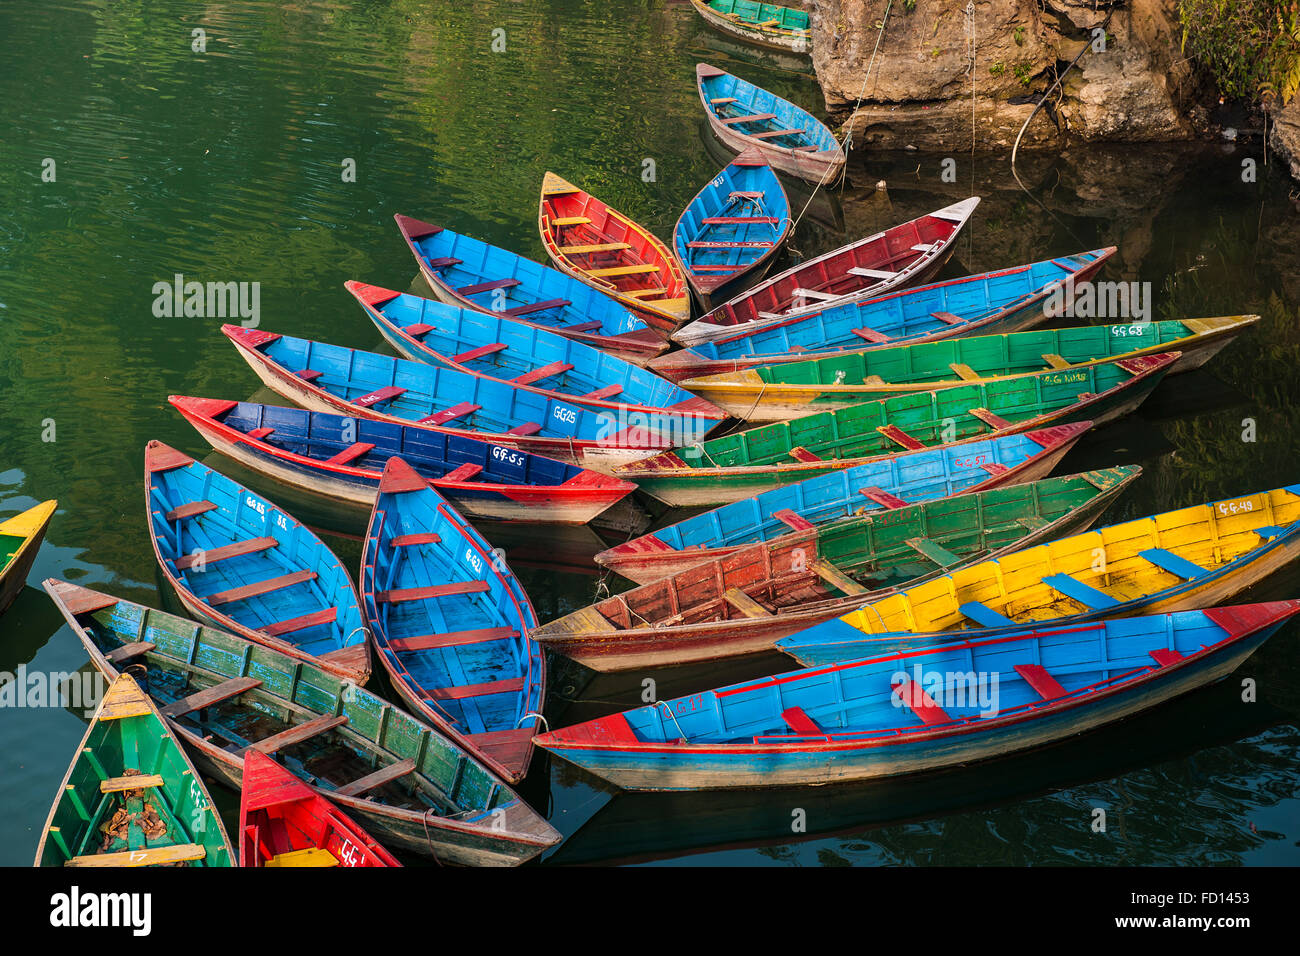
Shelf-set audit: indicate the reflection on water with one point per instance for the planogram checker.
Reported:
(227, 166)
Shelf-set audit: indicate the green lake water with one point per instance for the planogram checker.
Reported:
(226, 165)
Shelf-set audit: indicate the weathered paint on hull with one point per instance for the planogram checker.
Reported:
(698, 768)
(529, 504)
(793, 43)
(824, 167)
(574, 451)
(619, 650)
(648, 567)
(14, 578)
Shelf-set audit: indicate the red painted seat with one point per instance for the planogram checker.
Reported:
(450, 414)
(913, 695)
(379, 396)
(882, 497)
(431, 591)
(488, 286)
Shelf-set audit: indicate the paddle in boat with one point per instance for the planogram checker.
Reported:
(759, 459)
(600, 246)
(728, 236)
(222, 696)
(451, 624)
(1189, 558)
(471, 273)
(283, 822)
(917, 710)
(789, 390)
(342, 458)
(767, 24)
(741, 603)
(526, 357)
(20, 540)
(903, 255)
(1006, 301)
(131, 796)
(331, 378)
(745, 116)
(241, 563)
(880, 485)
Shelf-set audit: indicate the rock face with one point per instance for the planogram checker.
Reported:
(944, 60)
(1285, 135)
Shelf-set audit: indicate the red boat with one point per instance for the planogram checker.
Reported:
(283, 822)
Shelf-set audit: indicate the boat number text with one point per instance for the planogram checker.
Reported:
(563, 414)
(972, 461)
(260, 508)
(1240, 506)
(506, 455)
(474, 560)
(1122, 330)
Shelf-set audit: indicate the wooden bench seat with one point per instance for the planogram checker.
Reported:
(900, 437)
(985, 616)
(1084, 594)
(427, 642)
(210, 695)
(478, 353)
(745, 604)
(797, 719)
(431, 591)
(1043, 683)
(463, 472)
(1168, 561)
(914, 697)
(149, 856)
(594, 248)
(190, 510)
(450, 414)
(750, 118)
(543, 372)
(466, 691)
(379, 396)
(882, 497)
(792, 520)
(487, 286)
(238, 549)
(316, 619)
(297, 734)
(533, 307)
(372, 781)
(351, 453)
(623, 271)
(524, 430)
(259, 588)
(412, 540)
(871, 335)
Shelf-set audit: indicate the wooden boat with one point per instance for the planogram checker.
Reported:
(741, 603)
(1188, 558)
(728, 236)
(331, 378)
(525, 357)
(883, 484)
(342, 458)
(771, 456)
(907, 254)
(767, 24)
(451, 624)
(613, 254)
(780, 392)
(131, 796)
(283, 822)
(239, 562)
(1005, 301)
(471, 273)
(20, 540)
(407, 784)
(933, 707)
(791, 139)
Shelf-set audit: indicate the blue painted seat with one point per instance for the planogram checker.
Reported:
(1076, 590)
(985, 616)
(1168, 561)
(1270, 531)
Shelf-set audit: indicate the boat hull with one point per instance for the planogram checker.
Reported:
(772, 39)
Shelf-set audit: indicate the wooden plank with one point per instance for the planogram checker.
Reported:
(914, 696)
(871, 273)
(985, 616)
(583, 326)
(351, 453)
(755, 244)
(372, 781)
(328, 616)
(408, 540)
(750, 118)
(442, 262)
(549, 370)
(934, 551)
(297, 734)
(1168, 561)
(797, 719)
(259, 588)
(478, 353)
(837, 578)
(138, 781)
(947, 317)
(190, 510)
(799, 453)
(546, 306)
(964, 371)
(882, 497)
(594, 248)
(427, 642)
(260, 433)
(151, 856)
(1164, 656)
(308, 374)
(466, 691)
(418, 329)
(450, 414)
(992, 419)
(776, 133)
(1037, 677)
(900, 437)
(379, 395)
(527, 428)
(1055, 361)
(1076, 590)
(487, 286)
(601, 394)
(623, 271)
(210, 695)
(431, 591)
(569, 220)
(463, 472)
(128, 651)
(741, 220)
(238, 549)
(792, 520)
(745, 604)
(871, 335)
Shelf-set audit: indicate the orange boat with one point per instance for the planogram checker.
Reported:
(608, 251)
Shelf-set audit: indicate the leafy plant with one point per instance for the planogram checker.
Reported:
(996, 69)
(1250, 47)
(1022, 74)
(1018, 34)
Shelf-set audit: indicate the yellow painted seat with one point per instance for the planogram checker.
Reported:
(312, 856)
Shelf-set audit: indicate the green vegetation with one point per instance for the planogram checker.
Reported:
(1250, 47)
(1023, 74)
(1018, 34)
(997, 69)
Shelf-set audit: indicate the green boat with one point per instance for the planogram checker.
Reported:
(789, 390)
(769, 25)
(743, 602)
(132, 797)
(408, 785)
(736, 466)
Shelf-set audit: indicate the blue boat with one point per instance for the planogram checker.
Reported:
(243, 564)
(729, 235)
(471, 273)
(924, 709)
(1007, 300)
(790, 138)
(884, 484)
(524, 355)
(332, 378)
(451, 624)
(342, 458)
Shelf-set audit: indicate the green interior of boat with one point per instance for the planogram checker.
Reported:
(785, 18)
(9, 545)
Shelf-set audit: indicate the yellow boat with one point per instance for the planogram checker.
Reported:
(1187, 559)
(787, 390)
(20, 539)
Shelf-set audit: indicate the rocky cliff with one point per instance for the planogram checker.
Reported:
(945, 63)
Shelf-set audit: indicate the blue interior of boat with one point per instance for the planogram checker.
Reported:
(733, 221)
(771, 113)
